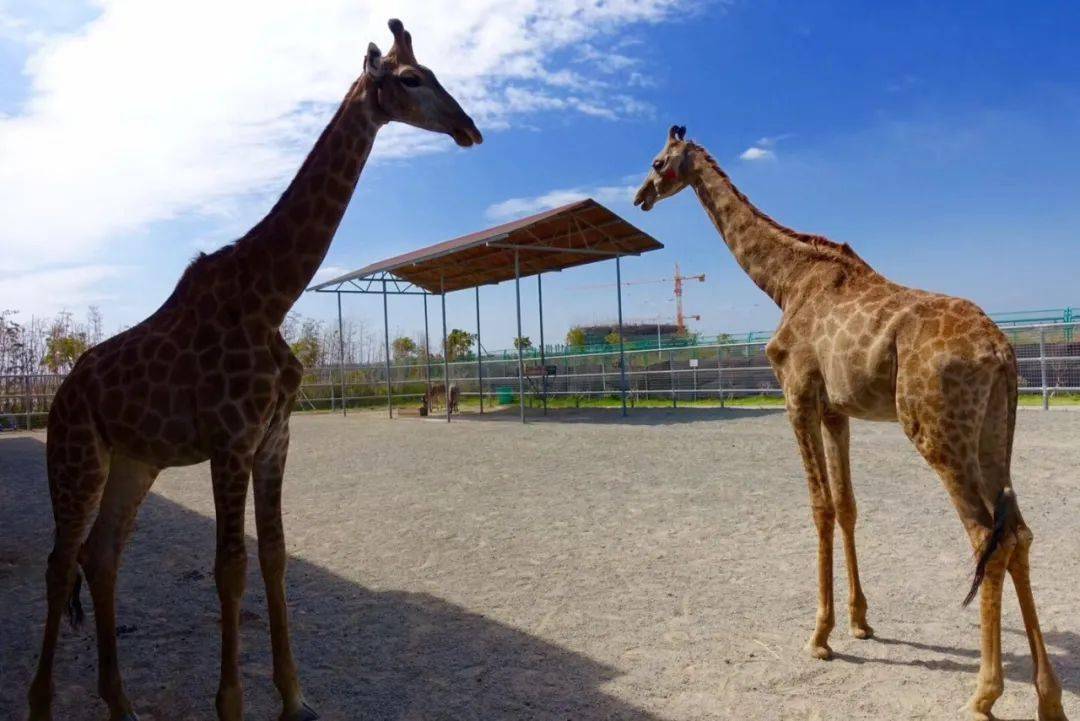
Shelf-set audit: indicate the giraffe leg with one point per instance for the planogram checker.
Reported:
(231, 473)
(125, 490)
(804, 411)
(268, 474)
(836, 434)
(76, 477)
(1047, 685)
(995, 446)
(956, 462)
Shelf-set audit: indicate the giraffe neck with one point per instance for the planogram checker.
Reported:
(776, 258)
(289, 244)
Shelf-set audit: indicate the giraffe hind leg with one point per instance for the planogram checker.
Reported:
(995, 446)
(77, 463)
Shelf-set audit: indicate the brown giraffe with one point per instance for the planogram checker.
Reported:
(209, 377)
(852, 344)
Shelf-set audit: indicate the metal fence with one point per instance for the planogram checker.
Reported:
(1048, 358)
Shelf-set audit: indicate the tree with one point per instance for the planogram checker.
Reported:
(613, 338)
(404, 348)
(308, 347)
(458, 343)
(575, 338)
(96, 323)
(63, 345)
(523, 342)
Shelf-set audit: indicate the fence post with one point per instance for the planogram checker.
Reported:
(29, 402)
(1042, 368)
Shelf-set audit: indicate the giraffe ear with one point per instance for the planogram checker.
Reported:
(373, 63)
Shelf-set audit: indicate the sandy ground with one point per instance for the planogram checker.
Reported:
(582, 569)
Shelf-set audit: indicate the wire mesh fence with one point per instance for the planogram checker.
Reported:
(1048, 362)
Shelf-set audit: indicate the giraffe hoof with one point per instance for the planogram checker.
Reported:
(862, 631)
(1053, 712)
(304, 713)
(819, 651)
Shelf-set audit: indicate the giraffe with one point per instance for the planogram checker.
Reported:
(852, 344)
(209, 377)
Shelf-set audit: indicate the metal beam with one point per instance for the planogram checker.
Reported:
(386, 341)
(622, 342)
(521, 362)
(427, 353)
(543, 365)
(445, 355)
(556, 249)
(479, 353)
(341, 356)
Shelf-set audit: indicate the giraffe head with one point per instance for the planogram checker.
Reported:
(670, 170)
(410, 93)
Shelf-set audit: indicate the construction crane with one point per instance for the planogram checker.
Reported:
(677, 279)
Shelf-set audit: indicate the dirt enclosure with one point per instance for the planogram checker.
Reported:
(578, 569)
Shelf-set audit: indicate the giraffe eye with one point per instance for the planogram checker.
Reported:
(657, 165)
(410, 81)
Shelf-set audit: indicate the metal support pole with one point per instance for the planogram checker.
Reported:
(1042, 368)
(445, 349)
(521, 362)
(622, 343)
(671, 372)
(427, 352)
(386, 342)
(479, 353)
(543, 358)
(341, 354)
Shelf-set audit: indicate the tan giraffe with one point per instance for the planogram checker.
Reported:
(208, 376)
(852, 344)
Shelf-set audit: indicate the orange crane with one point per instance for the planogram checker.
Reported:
(678, 278)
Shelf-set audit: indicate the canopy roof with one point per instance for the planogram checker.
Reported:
(574, 234)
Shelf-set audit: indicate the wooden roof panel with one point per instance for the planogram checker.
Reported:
(477, 258)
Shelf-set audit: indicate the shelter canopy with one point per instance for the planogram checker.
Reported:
(574, 234)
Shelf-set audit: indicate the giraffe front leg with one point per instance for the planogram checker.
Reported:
(804, 411)
(125, 490)
(230, 477)
(836, 433)
(268, 476)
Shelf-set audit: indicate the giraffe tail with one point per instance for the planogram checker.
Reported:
(74, 608)
(74, 605)
(1004, 512)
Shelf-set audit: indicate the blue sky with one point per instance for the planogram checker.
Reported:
(938, 139)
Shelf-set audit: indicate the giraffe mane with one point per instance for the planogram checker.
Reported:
(819, 243)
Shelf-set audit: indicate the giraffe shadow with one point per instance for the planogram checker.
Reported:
(364, 653)
(1063, 647)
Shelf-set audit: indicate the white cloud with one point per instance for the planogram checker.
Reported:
(763, 148)
(45, 292)
(757, 153)
(157, 110)
(517, 207)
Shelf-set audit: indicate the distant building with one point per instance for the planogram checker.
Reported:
(595, 334)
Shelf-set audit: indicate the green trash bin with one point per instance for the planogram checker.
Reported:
(505, 395)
